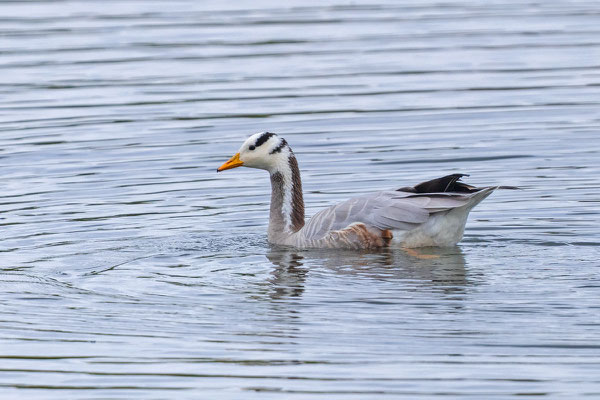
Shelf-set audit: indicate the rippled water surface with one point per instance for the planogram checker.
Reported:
(130, 269)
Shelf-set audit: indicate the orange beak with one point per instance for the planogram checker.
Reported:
(233, 162)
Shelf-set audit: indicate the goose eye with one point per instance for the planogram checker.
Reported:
(251, 148)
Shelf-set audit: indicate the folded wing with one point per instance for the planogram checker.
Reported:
(395, 210)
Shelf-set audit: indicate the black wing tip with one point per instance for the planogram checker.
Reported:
(448, 183)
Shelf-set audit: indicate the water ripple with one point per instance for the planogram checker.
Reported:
(130, 269)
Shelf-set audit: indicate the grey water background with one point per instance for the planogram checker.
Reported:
(130, 269)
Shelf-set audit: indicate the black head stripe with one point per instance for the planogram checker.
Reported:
(280, 147)
(263, 138)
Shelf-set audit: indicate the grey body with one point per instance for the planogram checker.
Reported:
(417, 220)
(432, 213)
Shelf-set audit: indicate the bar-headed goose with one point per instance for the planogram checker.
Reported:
(432, 213)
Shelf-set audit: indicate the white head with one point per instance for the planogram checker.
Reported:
(264, 150)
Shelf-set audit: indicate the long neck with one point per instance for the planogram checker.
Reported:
(287, 204)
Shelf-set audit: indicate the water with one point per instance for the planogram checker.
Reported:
(130, 269)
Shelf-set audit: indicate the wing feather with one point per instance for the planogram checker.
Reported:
(385, 210)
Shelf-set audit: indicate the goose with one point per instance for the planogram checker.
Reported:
(429, 214)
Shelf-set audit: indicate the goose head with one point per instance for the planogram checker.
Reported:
(264, 150)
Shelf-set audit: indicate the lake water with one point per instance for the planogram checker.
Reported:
(130, 269)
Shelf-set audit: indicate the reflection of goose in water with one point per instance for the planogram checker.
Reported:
(289, 274)
(446, 271)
